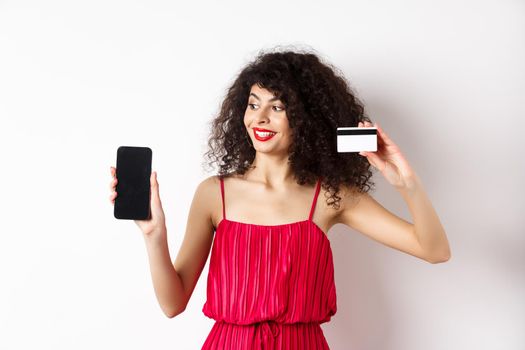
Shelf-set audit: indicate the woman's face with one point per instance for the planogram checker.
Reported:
(265, 112)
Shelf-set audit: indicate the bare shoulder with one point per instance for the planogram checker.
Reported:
(208, 196)
(209, 182)
(354, 204)
(349, 199)
(201, 199)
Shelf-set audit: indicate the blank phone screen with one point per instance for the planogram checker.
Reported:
(133, 183)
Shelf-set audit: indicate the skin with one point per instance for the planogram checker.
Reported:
(268, 195)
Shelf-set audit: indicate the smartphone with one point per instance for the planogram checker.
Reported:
(357, 139)
(133, 183)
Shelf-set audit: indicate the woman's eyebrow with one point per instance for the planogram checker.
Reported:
(270, 100)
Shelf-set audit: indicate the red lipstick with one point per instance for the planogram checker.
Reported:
(263, 138)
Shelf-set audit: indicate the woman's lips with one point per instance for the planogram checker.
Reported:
(260, 138)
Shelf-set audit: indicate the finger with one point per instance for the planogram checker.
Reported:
(154, 187)
(380, 140)
(113, 184)
(369, 158)
(113, 171)
(384, 136)
(376, 161)
(112, 196)
(365, 154)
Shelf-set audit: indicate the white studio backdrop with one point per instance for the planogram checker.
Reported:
(446, 80)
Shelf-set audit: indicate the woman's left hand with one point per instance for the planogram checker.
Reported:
(389, 160)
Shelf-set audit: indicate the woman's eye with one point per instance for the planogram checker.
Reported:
(276, 108)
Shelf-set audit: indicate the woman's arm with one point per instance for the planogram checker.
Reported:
(174, 282)
(427, 227)
(425, 238)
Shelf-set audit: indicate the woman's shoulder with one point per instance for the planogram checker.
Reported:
(209, 192)
(213, 182)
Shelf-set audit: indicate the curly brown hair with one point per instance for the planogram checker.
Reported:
(317, 99)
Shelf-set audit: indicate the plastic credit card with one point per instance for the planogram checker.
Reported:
(357, 139)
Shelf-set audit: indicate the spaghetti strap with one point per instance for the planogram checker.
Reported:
(315, 199)
(222, 196)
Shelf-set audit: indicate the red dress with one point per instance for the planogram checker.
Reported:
(269, 286)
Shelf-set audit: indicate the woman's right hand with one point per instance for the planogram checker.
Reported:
(155, 227)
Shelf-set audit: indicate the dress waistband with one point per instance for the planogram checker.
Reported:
(268, 330)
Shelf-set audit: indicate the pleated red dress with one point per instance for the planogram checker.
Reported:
(269, 286)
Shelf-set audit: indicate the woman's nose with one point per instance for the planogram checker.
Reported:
(262, 116)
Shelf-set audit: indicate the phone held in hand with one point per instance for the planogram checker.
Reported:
(133, 183)
(356, 139)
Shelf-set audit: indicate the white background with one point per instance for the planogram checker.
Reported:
(445, 79)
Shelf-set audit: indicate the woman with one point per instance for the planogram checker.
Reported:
(271, 276)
